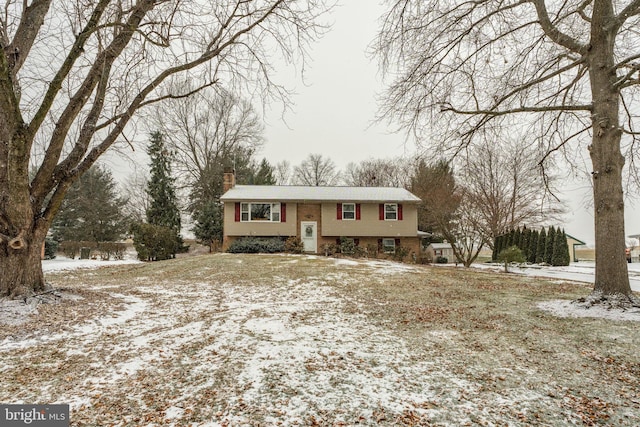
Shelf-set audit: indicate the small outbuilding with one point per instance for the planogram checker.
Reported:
(444, 250)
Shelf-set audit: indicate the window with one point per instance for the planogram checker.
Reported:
(260, 212)
(390, 212)
(348, 211)
(389, 246)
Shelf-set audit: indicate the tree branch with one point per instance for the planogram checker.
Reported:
(554, 33)
(30, 23)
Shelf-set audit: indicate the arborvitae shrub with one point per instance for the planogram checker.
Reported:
(548, 250)
(542, 244)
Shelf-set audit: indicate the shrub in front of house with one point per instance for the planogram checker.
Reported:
(400, 253)
(347, 246)
(372, 250)
(293, 245)
(256, 245)
(330, 249)
(441, 260)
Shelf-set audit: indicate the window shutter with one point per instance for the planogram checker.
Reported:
(399, 212)
(381, 210)
(357, 212)
(397, 241)
(283, 212)
(339, 211)
(237, 212)
(338, 241)
(356, 242)
(379, 245)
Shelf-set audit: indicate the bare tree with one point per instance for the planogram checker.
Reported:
(207, 132)
(316, 171)
(378, 173)
(73, 75)
(568, 70)
(283, 172)
(134, 191)
(507, 188)
(463, 229)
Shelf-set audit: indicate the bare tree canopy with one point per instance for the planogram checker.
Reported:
(74, 74)
(566, 72)
(207, 132)
(316, 171)
(378, 173)
(504, 185)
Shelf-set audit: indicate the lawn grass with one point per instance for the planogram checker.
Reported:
(296, 340)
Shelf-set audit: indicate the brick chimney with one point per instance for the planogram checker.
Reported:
(228, 179)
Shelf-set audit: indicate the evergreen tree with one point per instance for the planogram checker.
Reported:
(524, 242)
(263, 174)
(517, 236)
(542, 244)
(208, 224)
(163, 203)
(496, 247)
(533, 246)
(548, 249)
(91, 210)
(560, 249)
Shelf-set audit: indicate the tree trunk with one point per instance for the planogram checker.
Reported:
(22, 266)
(611, 265)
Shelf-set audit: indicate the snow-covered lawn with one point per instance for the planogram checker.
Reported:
(583, 271)
(234, 340)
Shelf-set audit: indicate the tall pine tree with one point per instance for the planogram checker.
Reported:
(533, 246)
(542, 244)
(163, 208)
(548, 249)
(163, 203)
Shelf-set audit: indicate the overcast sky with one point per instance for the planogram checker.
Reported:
(334, 111)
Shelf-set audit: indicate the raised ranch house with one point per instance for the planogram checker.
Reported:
(380, 216)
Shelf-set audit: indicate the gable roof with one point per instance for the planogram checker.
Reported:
(295, 193)
(441, 245)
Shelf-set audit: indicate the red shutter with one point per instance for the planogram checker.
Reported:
(397, 243)
(357, 211)
(399, 212)
(283, 212)
(381, 210)
(237, 212)
(380, 245)
(356, 242)
(339, 210)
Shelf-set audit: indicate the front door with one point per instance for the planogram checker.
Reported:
(309, 236)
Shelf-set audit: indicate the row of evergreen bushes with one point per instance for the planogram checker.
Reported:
(547, 246)
(251, 245)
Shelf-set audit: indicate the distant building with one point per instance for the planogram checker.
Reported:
(435, 250)
(572, 242)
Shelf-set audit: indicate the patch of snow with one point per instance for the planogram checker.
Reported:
(577, 272)
(61, 263)
(566, 308)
